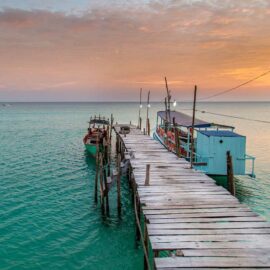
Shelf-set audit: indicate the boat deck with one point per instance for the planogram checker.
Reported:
(201, 224)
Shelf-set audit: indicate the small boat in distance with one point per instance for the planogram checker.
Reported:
(97, 134)
(211, 143)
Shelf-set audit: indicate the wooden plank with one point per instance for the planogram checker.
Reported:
(202, 215)
(212, 262)
(212, 268)
(166, 207)
(209, 237)
(190, 211)
(225, 225)
(205, 220)
(248, 252)
(208, 245)
(167, 232)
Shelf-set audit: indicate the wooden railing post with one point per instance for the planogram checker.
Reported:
(230, 177)
(147, 175)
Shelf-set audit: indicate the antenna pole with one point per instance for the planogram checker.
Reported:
(192, 129)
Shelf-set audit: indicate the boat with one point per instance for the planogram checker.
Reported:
(97, 134)
(211, 143)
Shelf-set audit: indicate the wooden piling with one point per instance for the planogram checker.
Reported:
(230, 176)
(176, 138)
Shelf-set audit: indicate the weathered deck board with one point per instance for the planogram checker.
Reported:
(187, 211)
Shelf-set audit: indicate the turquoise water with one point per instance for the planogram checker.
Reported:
(48, 217)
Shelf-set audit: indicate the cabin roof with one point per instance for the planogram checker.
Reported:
(220, 133)
(99, 121)
(183, 120)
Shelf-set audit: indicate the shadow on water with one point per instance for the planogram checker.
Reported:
(241, 190)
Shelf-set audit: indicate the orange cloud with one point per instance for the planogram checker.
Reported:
(108, 53)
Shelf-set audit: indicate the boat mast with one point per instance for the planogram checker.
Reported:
(166, 115)
(168, 99)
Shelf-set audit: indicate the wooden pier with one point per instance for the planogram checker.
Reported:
(199, 224)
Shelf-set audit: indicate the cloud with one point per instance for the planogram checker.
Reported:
(118, 48)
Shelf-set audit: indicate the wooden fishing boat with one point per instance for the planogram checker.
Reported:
(210, 144)
(97, 134)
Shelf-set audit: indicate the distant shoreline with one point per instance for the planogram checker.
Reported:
(156, 102)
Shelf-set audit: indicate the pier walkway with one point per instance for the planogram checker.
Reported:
(201, 224)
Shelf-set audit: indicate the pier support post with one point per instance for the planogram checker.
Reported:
(148, 127)
(176, 138)
(117, 143)
(101, 182)
(96, 178)
(138, 214)
(147, 175)
(106, 192)
(230, 177)
(119, 183)
(146, 256)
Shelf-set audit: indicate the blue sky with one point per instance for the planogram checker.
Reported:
(70, 6)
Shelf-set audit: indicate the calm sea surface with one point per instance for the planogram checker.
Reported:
(47, 216)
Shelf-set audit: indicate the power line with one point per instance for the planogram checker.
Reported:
(236, 87)
(237, 117)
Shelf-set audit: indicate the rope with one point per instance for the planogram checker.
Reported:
(237, 117)
(228, 90)
(236, 87)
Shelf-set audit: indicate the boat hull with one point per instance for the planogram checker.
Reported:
(91, 149)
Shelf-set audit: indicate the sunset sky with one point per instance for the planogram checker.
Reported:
(87, 50)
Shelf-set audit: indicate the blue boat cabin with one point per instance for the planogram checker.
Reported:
(211, 143)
